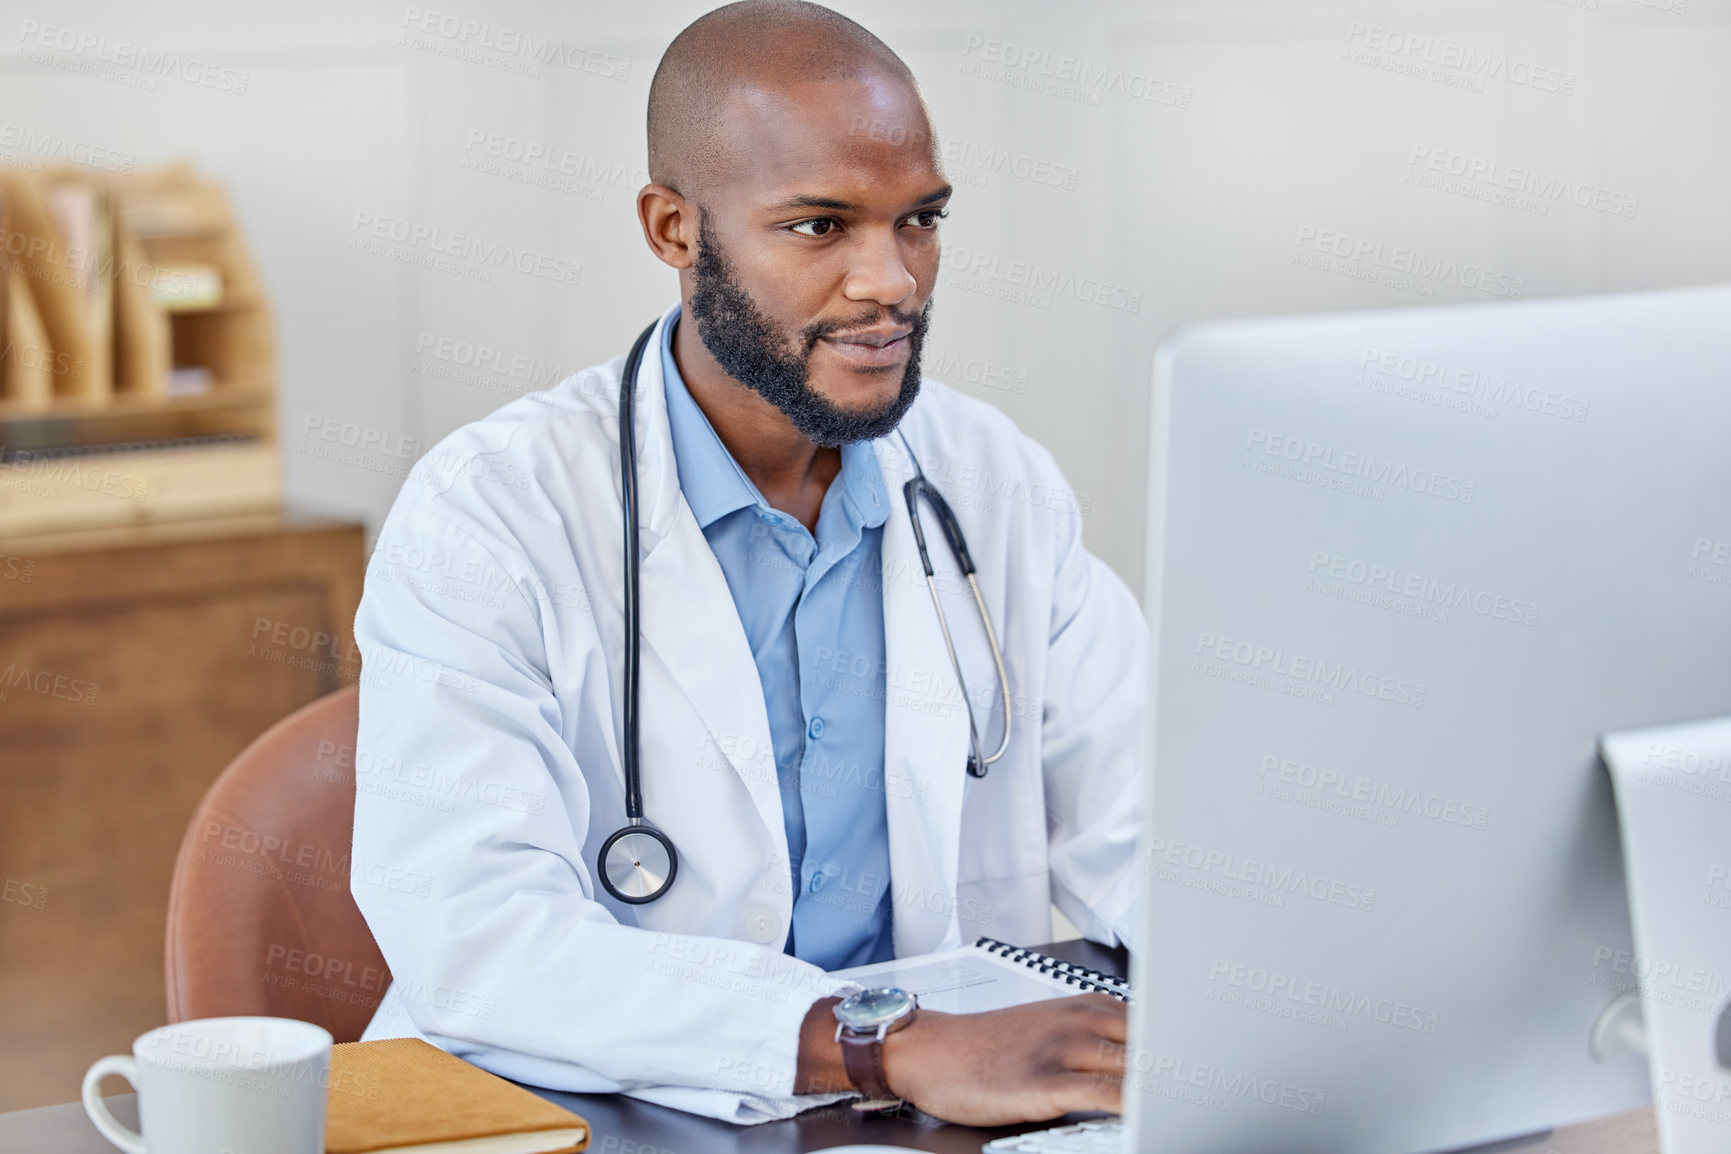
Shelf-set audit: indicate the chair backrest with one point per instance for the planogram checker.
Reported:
(260, 919)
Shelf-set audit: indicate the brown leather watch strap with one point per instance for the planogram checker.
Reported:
(863, 1057)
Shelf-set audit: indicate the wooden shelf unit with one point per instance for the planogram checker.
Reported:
(101, 311)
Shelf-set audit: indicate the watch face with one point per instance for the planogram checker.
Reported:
(869, 1009)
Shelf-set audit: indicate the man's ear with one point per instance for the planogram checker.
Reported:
(669, 225)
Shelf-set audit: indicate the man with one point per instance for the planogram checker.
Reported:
(805, 741)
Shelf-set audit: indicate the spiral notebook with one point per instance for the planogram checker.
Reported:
(988, 975)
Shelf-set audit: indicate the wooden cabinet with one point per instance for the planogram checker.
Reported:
(134, 664)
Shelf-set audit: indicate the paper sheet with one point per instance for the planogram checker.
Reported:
(965, 980)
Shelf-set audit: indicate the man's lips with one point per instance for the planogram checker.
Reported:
(870, 347)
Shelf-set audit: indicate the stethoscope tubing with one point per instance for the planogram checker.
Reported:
(638, 884)
(920, 486)
(633, 617)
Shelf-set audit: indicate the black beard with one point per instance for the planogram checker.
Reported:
(748, 347)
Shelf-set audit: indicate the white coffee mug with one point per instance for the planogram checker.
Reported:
(221, 1086)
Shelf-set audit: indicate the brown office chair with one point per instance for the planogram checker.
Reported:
(260, 920)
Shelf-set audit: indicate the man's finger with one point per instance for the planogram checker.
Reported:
(1116, 1023)
(1096, 1091)
(1101, 1055)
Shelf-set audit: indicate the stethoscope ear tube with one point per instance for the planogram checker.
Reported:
(918, 486)
(633, 625)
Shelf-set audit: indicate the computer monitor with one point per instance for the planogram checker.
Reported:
(1404, 568)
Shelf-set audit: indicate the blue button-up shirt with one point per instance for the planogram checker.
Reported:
(813, 613)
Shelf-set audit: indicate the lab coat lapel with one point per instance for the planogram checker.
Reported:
(689, 623)
(925, 732)
(691, 626)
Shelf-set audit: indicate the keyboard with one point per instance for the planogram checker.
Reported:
(1106, 1136)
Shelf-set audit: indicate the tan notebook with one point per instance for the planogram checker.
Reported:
(403, 1096)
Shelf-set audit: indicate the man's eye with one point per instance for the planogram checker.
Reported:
(819, 227)
(928, 217)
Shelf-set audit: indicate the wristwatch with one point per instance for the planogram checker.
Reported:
(863, 1021)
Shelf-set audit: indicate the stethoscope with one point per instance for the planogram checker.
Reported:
(637, 861)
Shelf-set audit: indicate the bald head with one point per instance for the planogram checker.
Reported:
(796, 185)
(755, 50)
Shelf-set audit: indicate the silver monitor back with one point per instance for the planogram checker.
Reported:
(1404, 567)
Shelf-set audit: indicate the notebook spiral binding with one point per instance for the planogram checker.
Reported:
(1085, 979)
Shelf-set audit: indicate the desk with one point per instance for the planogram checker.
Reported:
(627, 1126)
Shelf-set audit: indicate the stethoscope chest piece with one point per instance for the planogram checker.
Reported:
(638, 864)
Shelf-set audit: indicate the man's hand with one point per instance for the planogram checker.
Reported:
(1024, 1064)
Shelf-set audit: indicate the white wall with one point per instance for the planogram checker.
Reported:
(1268, 124)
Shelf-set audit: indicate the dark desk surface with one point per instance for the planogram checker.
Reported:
(626, 1126)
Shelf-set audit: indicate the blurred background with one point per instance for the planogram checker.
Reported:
(260, 258)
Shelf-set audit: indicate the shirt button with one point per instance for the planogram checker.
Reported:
(815, 729)
(762, 925)
(816, 882)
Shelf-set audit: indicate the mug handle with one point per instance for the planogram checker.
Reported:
(128, 1140)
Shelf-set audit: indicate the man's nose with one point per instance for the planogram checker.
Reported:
(879, 274)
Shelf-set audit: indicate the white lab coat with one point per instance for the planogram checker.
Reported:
(488, 769)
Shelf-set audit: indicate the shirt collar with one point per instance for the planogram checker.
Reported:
(712, 481)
